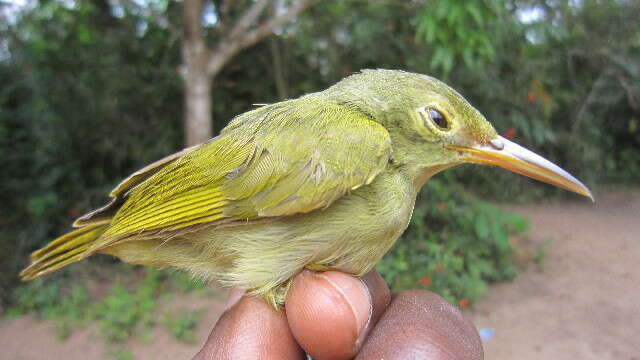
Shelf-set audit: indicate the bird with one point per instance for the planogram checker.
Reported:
(326, 181)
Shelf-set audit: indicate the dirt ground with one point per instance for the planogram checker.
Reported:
(26, 338)
(584, 305)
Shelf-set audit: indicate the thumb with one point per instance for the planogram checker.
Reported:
(330, 313)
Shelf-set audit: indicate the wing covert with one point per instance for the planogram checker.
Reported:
(275, 161)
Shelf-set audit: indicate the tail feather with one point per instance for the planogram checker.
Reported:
(62, 251)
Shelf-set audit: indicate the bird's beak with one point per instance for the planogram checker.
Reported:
(513, 157)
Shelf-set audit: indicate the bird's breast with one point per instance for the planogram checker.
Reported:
(366, 223)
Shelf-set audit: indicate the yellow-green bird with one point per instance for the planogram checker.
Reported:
(324, 181)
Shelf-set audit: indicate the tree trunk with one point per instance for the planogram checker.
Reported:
(198, 124)
(198, 119)
(203, 64)
(197, 84)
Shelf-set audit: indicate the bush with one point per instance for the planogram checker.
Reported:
(454, 246)
(127, 308)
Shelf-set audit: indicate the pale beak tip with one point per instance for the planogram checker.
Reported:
(584, 191)
(590, 196)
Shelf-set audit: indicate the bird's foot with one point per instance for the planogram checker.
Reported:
(276, 297)
(317, 267)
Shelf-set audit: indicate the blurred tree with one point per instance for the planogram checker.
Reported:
(231, 32)
(85, 97)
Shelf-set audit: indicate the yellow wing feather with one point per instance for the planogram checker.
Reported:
(119, 193)
(275, 161)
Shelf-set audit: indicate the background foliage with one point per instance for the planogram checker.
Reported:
(90, 91)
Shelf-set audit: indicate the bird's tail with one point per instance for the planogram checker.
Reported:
(62, 251)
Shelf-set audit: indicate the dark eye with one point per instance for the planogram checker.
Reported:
(438, 118)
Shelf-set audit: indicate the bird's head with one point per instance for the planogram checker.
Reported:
(432, 127)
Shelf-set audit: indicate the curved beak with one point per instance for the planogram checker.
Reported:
(513, 157)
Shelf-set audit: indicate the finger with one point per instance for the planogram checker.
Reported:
(419, 324)
(250, 329)
(330, 313)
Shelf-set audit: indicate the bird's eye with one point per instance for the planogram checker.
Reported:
(438, 118)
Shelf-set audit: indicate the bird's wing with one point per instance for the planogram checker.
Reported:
(119, 193)
(275, 161)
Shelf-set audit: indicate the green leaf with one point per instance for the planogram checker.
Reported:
(481, 227)
(473, 10)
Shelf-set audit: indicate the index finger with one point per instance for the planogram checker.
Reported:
(419, 324)
(250, 329)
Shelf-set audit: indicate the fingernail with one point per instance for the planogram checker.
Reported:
(365, 328)
(380, 296)
(235, 295)
(358, 301)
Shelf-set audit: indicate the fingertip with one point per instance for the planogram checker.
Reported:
(328, 313)
(421, 324)
(250, 329)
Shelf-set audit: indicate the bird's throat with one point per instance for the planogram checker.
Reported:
(422, 174)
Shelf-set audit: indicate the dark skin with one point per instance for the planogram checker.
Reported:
(332, 315)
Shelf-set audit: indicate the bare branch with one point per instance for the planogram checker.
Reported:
(248, 19)
(278, 68)
(192, 21)
(591, 99)
(631, 98)
(622, 62)
(239, 40)
(268, 27)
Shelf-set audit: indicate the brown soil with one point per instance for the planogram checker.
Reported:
(584, 305)
(26, 338)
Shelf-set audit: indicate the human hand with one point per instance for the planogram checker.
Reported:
(332, 315)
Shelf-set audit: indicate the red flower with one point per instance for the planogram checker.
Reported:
(464, 303)
(531, 98)
(510, 133)
(425, 281)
